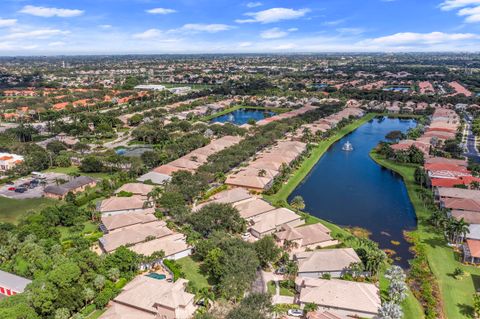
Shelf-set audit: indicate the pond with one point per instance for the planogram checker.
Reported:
(243, 116)
(348, 188)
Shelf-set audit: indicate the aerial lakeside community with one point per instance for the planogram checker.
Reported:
(135, 198)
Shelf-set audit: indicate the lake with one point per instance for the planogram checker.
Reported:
(243, 116)
(350, 189)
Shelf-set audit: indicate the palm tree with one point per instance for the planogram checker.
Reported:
(298, 202)
(206, 297)
(461, 229)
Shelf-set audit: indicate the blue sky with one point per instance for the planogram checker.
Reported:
(29, 27)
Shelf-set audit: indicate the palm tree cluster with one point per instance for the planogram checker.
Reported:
(455, 230)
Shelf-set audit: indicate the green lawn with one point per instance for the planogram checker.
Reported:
(96, 314)
(74, 170)
(12, 209)
(456, 293)
(192, 272)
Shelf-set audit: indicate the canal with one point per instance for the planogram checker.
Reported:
(243, 116)
(350, 189)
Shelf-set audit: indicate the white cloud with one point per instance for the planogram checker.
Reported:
(148, 34)
(274, 33)
(7, 22)
(210, 28)
(273, 15)
(35, 34)
(254, 4)
(292, 30)
(245, 44)
(352, 31)
(457, 4)
(409, 38)
(105, 26)
(286, 46)
(334, 22)
(56, 44)
(51, 12)
(472, 14)
(161, 11)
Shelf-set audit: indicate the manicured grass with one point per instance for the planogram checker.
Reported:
(96, 314)
(192, 272)
(457, 294)
(74, 170)
(317, 153)
(12, 209)
(272, 289)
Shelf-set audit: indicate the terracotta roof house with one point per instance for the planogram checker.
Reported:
(136, 189)
(306, 237)
(471, 251)
(111, 223)
(443, 160)
(134, 234)
(121, 205)
(230, 196)
(271, 221)
(455, 192)
(468, 216)
(150, 298)
(11, 284)
(473, 232)
(174, 246)
(154, 177)
(461, 204)
(348, 298)
(252, 207)
(325, 315)
(77, 185)
(335, 262)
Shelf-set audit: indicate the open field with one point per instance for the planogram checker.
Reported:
(12, 209)
(457, 294)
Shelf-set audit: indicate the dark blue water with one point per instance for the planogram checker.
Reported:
(242, 116)
(350, 189)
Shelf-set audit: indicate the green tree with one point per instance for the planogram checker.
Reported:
(298, 202)
(267, 251)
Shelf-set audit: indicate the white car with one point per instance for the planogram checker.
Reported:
(295, 312)
(245, 236)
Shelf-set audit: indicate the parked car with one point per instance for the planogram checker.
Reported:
(21, 190)
(11, 189)
(295, 312)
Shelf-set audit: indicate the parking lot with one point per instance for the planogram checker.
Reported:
(34, 192)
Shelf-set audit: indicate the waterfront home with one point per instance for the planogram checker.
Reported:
(113, 222)
(334, 262)
(11, 284)
(404, 145)
(134, 234)
(443, 160)
(9, 161)
(174, 246)
(138, 189)
(473, 232)
(471, 251)
(271, 221)
(77, 185)
(463, 204)
(442, 193)
(468, 216)
(150, 298)
(305, 237)
(453, 181)
(121, 205)
(348, 298)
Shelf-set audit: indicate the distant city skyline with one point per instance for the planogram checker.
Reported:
(54, 27)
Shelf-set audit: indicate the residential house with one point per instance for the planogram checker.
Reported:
(122, 205)
(9, 161)
(11, 284)
(305, 237)
(149, 298)
(77, 185)
(335, 262)
(348, 298)
(271, 221)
